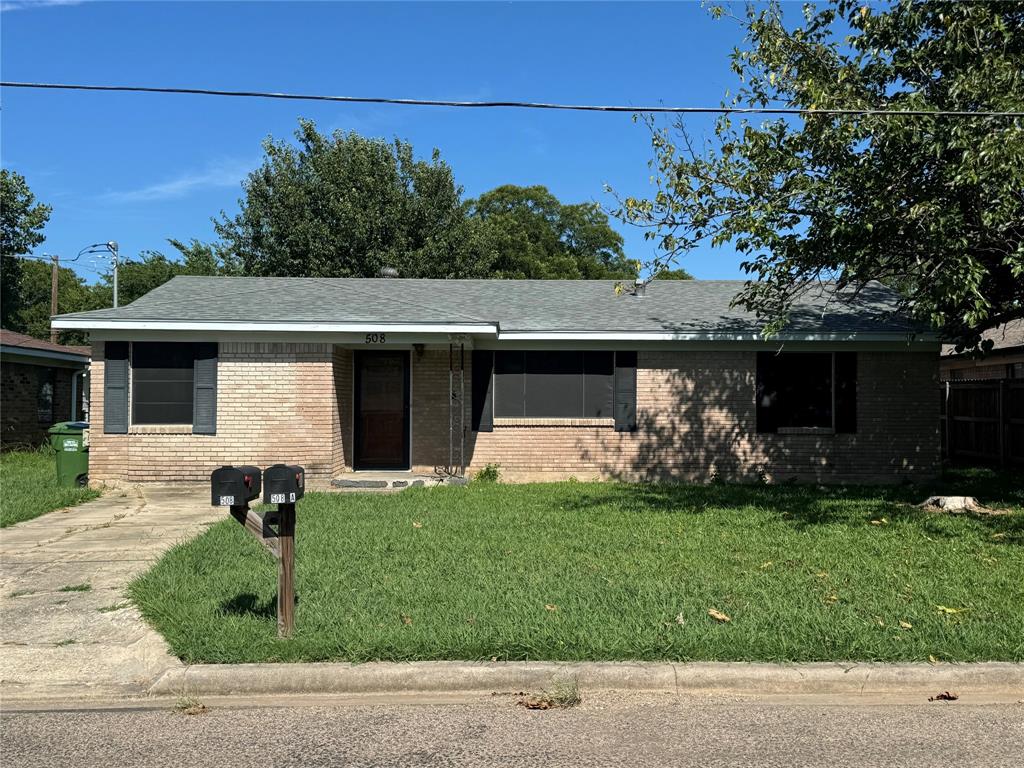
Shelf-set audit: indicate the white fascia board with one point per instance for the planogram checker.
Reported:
(7, 349)
(710, 336)
(71, 323)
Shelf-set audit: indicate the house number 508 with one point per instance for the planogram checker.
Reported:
(375, 338)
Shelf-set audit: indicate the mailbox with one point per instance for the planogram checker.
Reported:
(284, 484)
(234, 486)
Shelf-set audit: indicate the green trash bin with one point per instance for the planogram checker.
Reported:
(69, 441)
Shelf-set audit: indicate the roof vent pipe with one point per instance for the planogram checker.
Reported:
(640, 288)
(388, 272)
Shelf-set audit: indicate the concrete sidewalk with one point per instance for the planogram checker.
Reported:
(91, 642)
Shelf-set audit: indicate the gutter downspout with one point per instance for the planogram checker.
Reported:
(74, 393)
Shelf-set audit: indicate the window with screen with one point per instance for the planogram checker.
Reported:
(554, 384)
(806, 391)
(162, 382)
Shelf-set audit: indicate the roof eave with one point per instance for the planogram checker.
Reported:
(485, 329)
(92, 324)
(45, 354)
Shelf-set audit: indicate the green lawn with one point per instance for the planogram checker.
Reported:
(607, 571)
(28, 487)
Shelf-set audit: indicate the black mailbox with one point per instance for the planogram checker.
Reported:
(235, 486)
(285, 484)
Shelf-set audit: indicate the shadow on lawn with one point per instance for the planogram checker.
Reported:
(248, 604)
(810, 505)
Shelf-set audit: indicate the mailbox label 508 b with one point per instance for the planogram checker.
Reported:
(227, 501)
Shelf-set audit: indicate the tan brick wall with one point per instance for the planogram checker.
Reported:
(696, 417)
(343, 382)
(275, 402)
(697, 420)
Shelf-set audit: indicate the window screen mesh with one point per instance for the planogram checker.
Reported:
(162, 385)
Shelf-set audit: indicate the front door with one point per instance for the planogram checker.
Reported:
(381, 410)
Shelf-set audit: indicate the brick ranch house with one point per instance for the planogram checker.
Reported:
(548, 379)
(41, 383)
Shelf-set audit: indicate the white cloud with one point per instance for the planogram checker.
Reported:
(24, 5)
(225, 173)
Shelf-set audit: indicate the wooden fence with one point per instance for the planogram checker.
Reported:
(983, 421)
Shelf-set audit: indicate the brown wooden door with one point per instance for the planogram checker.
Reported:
(381, 410)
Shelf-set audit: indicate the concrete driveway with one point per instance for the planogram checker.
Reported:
(65, 625)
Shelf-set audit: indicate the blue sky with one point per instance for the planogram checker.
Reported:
(141, 168)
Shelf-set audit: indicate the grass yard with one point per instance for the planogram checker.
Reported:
(606, 571)
(28, 487)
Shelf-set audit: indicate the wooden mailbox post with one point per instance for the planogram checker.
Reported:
(284, 485)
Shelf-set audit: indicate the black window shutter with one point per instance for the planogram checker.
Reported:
(115, 387)
(625, 392)
(204, 390)
(846, 392)
(483, 411)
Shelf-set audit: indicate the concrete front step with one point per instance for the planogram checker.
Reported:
(377, 481)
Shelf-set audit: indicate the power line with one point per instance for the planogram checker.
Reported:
(519, 104)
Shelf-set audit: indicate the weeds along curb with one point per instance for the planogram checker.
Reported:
(453, 676)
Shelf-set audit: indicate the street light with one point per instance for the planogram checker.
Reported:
(110, 247)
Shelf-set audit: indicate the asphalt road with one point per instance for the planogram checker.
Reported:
(606, 729)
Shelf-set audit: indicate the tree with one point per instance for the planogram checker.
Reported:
(525, 232)
(205, 259)
(21, 229)
(73, 295)
(673, 274)
(931, 205)
(346, 206)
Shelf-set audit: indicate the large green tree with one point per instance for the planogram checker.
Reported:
(21, 229)
(933, 205)
(526, 232)
(346, 206)
(343, 205)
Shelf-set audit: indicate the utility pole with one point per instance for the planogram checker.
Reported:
(55, 267)
(112, 246)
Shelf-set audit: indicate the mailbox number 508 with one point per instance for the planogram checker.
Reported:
(375, 338)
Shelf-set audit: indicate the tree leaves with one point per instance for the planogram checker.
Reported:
(22, 219)
(527, 233)
(931, 206)
(343, 205)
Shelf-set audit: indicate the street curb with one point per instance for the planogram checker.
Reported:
(455, 676)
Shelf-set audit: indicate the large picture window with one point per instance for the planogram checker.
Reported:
(162, 382)
(806, 392)
(554, 384)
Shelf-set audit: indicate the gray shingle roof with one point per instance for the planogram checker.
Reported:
(514, 305)
(1007, 336)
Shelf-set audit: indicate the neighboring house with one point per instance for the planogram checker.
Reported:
(41, 383)
(1005, 361)
(548, 379)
